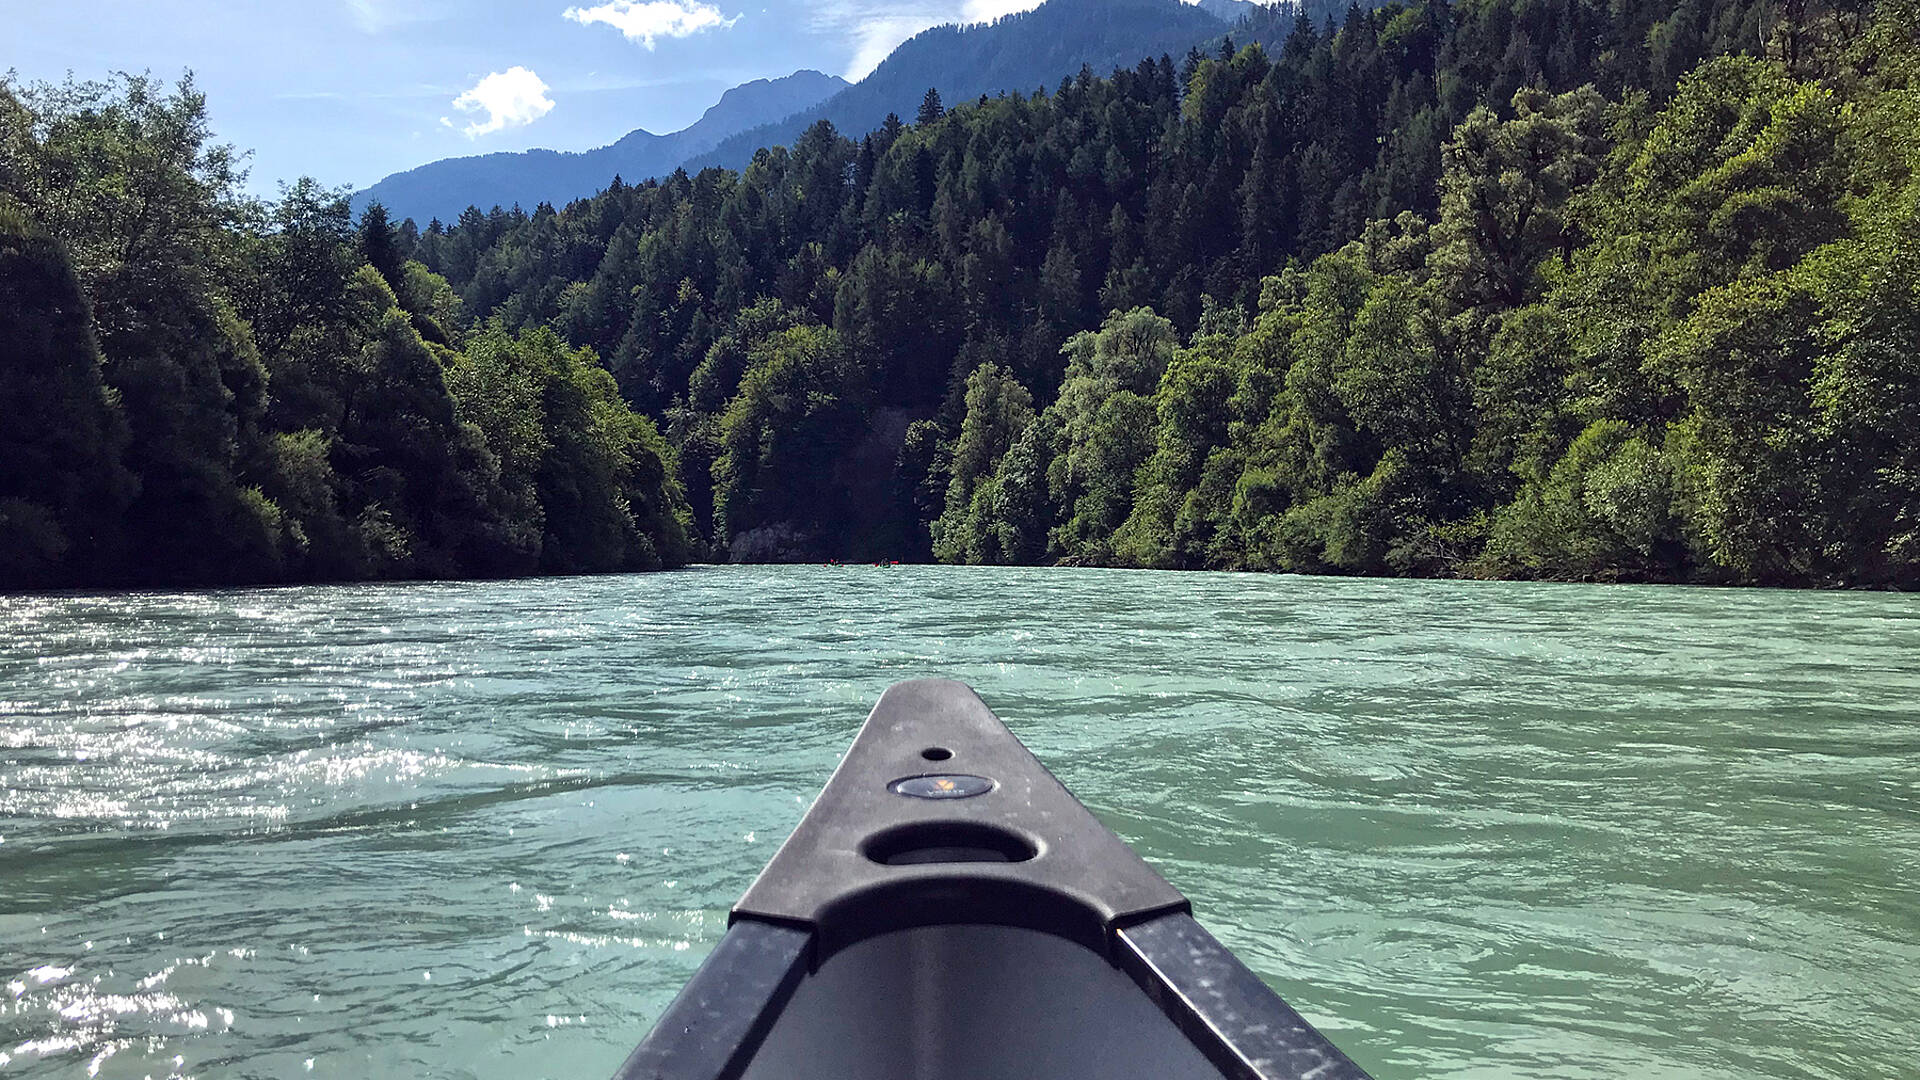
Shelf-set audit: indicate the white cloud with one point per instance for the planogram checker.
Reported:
(646, 21)
(512, 98)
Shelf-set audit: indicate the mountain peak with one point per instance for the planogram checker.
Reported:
(752, 101)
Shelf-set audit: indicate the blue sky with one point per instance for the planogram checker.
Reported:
(348, 91)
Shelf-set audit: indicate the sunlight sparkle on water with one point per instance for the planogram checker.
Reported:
(1499, 830)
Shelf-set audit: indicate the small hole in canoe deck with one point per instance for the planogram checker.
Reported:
(936, 753)
(947, 842)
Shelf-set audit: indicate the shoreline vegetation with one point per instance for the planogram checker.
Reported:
(1601, 292)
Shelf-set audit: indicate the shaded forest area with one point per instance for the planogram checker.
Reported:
(1620, 291)
(198, 388)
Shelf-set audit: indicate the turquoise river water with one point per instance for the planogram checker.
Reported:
(488, 830)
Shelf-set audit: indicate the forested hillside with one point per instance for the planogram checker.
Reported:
(1498, 289)
(1024, 52)
(1580, 290)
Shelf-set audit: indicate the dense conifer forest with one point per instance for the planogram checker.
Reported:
(1566, 289)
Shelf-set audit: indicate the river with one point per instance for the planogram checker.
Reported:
(488, 830)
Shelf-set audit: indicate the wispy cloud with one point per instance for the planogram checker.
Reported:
(379, 16)
(409, 92)
(877, 37)
(877, 27)
(988, 10)
(646, 21)
(512, 98)
(367, 15)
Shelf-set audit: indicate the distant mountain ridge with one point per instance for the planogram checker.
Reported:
(1022, 52)
(444, 188)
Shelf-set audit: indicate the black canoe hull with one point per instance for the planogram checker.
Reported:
(998, 934)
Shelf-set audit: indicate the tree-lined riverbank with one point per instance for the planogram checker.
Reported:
(200, 389)
(1596, 291)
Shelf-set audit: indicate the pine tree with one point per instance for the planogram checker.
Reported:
(380, 245)
(931, 110)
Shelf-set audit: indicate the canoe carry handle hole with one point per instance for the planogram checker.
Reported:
(947, 842)
(936, 753)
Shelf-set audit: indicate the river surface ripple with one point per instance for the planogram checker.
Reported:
(488, 830)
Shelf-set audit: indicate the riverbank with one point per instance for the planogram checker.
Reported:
(1619, 579)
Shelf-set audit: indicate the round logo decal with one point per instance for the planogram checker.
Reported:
(953, 786)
